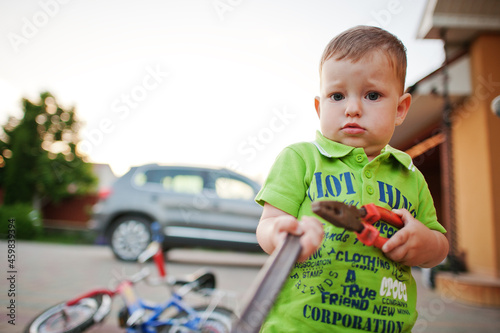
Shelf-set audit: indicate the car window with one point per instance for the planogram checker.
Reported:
(230, 188)
(190, 184)
(139, 179)
(170, 180)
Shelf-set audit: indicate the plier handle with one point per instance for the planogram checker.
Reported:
(358, 220)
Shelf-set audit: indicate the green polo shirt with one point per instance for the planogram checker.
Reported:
(346, 286)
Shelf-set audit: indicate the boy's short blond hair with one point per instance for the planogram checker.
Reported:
(357, 42)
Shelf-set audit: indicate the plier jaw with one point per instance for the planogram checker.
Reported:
(358, 220)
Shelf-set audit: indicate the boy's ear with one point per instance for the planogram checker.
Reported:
(316, 104)
(403, 107)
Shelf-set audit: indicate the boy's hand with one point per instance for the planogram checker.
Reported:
(415, 244)
(312, 236)
(275, 224)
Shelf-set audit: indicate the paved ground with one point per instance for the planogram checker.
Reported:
(47, 274)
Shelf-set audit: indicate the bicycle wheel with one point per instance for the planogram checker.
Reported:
(67, 319)
(219, 321)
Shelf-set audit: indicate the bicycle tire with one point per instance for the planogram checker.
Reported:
(81, 317)
(219, 321)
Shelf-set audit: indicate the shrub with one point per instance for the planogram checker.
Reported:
(28, 221)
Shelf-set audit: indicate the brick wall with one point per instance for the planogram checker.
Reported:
(72, 212)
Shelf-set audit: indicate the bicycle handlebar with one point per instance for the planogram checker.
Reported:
(149, 252)
(141, 275)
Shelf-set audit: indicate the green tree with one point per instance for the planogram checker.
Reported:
(38, 155)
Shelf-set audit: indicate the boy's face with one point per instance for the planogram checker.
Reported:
(361, 103)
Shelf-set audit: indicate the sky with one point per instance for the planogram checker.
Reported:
(221, 83)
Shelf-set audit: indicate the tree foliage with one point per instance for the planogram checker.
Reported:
(38, 156)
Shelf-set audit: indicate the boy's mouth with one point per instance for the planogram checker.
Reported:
(353, 128)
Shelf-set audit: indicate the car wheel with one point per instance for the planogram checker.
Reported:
(129, 237)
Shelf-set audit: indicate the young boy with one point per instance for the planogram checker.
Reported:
(339, 284)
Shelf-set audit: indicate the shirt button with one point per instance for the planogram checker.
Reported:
(368, 174)
(359, 158)
(370, 190)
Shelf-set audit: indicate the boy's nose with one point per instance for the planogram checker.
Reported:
(353, 108)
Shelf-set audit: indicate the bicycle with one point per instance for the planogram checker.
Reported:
(139, 316)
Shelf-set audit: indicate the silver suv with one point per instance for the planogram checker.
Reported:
(195, 207)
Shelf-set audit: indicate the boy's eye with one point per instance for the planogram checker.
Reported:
(373, 96)
(337, 97)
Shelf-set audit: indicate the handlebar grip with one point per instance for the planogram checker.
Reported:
(156, 233)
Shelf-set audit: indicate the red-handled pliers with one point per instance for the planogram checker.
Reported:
(358, 220)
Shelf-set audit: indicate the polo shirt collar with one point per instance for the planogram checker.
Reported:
(329, 148)
(332, 149)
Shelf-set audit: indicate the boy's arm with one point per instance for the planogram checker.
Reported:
(415, 244)
(275, 224)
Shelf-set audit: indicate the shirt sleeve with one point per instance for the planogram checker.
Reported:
(427, 210)
(285, 186)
